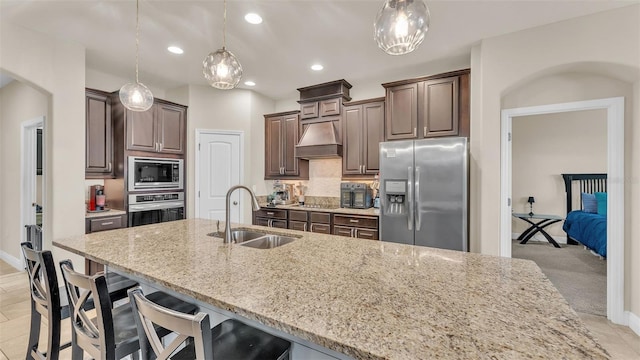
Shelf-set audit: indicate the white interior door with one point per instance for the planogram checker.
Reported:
(219, 168)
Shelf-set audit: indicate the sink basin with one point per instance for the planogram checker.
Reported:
(239, 236)
(268, 241)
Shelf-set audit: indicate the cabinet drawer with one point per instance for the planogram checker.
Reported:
(309, 110)
(106, 223)
(367, 234)
(330, 107)
(318, 217)
(320, 228)
(261, 221)
(298, 215)
(343, 231)
(272, 213)
(298, 225)
(356, 221)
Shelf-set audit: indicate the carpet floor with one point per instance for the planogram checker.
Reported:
(579, 276)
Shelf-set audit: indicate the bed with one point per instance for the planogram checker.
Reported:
(588, 229)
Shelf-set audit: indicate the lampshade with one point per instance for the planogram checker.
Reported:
(221, 68)
(136, 96)
(531, 200)
(401, 25)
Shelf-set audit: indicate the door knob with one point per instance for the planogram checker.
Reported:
(235, 203)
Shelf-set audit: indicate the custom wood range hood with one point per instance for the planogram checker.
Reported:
(320, 119)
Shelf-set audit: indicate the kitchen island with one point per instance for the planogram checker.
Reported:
(361, 298)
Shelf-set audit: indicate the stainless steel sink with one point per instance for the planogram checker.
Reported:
(255, 239)
(239, 236)
(268, 241)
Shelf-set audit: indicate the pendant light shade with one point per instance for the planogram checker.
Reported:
(136, 96)
(401, 26)
(221, 68)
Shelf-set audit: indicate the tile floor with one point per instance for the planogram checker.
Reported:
(620, 341)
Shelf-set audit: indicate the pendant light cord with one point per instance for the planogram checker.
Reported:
(137, 41)
(224, 26)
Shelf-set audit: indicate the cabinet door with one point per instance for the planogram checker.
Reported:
(343, 231)
(98, 155)
(171, 127)
(366, 234)
(309, 110)
(373, 130)
(402, 112)
(298, 225)
(291, 135)
(438, 107)
(142, 132)
(330, 107)
(320, 228)
(352, 140)
(273, 147)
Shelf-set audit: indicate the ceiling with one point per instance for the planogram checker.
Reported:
(276, 54)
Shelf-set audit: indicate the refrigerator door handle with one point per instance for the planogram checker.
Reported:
(417, 196)
(410, 198)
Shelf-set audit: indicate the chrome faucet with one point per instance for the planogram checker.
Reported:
(227, 222)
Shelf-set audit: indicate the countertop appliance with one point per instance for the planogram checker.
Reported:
(356, 195)
(423, 192)
(97, 198)
(155, 174)
(155, 208)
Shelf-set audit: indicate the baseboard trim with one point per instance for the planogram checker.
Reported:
(634, 322)
(541, 238)
(11, 260)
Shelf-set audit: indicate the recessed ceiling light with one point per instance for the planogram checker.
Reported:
(250, 83)
(175, 50)
(253, 18)
(317, 67)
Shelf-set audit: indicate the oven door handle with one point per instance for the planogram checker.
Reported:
(164, 205)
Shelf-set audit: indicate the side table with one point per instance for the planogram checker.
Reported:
(535, 227)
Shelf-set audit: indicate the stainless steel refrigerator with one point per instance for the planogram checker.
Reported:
(423, 192)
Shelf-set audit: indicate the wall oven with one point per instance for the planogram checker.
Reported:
(155, 208)
(155, 174)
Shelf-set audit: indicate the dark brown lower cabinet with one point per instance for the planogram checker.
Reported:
(276, 218)
(320, 222)
(362, 227)
(101, 223)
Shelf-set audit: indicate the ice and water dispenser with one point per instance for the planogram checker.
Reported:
(395, 192)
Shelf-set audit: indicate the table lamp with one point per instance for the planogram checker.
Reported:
(531, 200)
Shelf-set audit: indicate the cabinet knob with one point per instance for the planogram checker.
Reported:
(235, 203)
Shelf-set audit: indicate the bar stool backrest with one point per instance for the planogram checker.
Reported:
(148, 314)
(97, 338)
(45, 299)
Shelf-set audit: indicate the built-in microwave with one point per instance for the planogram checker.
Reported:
(147, 173)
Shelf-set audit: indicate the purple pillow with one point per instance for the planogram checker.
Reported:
(589, 203)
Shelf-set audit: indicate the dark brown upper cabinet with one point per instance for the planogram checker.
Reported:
(161, 129)
(363, 130)
(282, 132)
(98, 140)
(432, 106)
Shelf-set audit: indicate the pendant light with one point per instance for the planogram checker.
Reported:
(136, 96)
(221, 68)
(401, 26)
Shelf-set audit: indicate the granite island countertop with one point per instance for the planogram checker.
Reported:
(366, 299)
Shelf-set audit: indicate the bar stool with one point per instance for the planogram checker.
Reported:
(228, 340)
(112, 333)
(45, 299)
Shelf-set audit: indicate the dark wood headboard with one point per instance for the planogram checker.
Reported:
(589, 183)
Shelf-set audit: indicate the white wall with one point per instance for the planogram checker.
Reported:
(19, 102)
(57, 68)
(99, 80)
(546, 146)
(610, 41)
